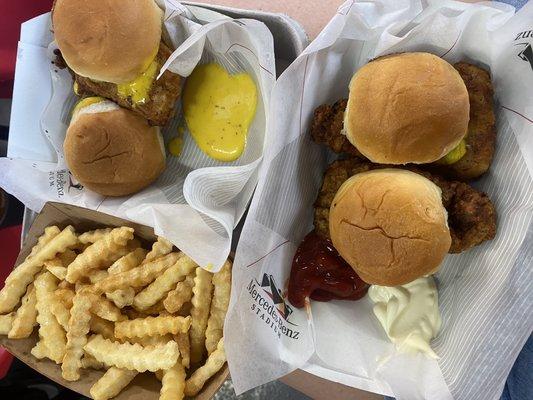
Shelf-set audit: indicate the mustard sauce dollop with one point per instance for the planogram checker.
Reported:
(219, 108)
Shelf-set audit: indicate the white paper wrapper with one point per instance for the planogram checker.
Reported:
(197, 201)
(486, 298)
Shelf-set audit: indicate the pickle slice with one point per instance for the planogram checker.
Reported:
(454, 155)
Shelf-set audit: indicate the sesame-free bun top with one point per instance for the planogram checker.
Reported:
(113, 151)
(107, 40)
(406, 108)
(390, 226)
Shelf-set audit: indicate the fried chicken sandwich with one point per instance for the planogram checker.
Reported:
(414, 108)
(114, 49)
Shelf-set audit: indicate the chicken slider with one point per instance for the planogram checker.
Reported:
(114, 49)
(390, 225)
(406, 108)
(111, 150)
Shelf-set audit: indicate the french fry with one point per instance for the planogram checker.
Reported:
(49, 233)
(122, 297)
(50, 332)
(78, 328)
(94, 235)
(164, 283)
(55, 266)
(67, 257)
(105, 309)
(173, 383)
(103, 327)
(39, 351)
(97, 275)
(111, 383)
(201, 301)
(65, 285)
(89, 362)
(137, 277)
(6, 323)
(151, 340)
(59, 310)
(182, 339)
(26, 316)
(157, 308)
(160, 248)
(214, 362)
(178, 297)
(185, 309)
(65, 296)
(129, 261)
(132, 313)
(101, 253)
(133, 356)
(159, 374)
(151, 326)
(22, 276)
(219, 307)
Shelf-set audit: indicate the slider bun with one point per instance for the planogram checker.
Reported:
(406, 108)
(390, 226)
(113, 151)
(111, 41)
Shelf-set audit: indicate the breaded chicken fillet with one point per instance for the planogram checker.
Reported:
(471, 214)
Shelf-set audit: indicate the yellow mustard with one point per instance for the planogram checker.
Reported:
(175, 146)
(139, 88)
(219, 109)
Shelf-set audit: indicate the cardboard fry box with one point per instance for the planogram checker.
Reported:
(145, 386)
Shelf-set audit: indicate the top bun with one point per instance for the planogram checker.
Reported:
(406, 108)
(390, 226)
(113, 151)
(107, 40)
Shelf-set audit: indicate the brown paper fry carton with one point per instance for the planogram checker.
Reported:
(145, 386)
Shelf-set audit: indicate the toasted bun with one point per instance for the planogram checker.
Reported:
(406, 108)
(107, 40)
(113, 151)
(390, 226)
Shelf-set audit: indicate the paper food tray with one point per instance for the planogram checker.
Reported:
(289, 41)
(144, 386)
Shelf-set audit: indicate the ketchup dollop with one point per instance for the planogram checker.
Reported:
(320, 273)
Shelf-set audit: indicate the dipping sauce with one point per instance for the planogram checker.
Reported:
(320, 273)
(219, 109)
(409, 314)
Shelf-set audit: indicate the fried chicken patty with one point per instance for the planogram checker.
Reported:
(471, 214)
(328, 121)
(163, 95)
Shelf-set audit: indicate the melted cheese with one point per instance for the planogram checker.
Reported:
(139, 88)
(219, 109)
(86, 102)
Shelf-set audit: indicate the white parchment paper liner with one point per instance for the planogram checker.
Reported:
(485, 294)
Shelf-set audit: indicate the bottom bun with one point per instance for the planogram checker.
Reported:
(113, 151)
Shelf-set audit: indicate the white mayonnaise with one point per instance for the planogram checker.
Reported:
(409, 314)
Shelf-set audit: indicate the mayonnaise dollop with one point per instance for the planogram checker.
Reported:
(409, 314)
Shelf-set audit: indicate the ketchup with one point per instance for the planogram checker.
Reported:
(319, 272)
